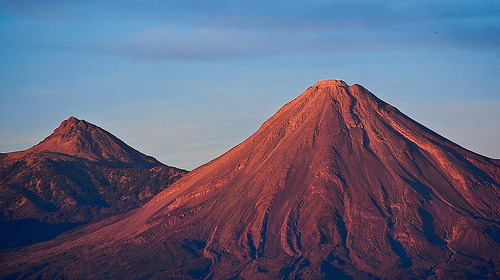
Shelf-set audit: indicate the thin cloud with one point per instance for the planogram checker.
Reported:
(195, 43)
(201, 30)
(188, 43)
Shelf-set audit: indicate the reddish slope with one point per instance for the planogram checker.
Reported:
(84, 140)
(79, 173)
(337, 184)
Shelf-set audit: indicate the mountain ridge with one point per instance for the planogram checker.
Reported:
(337, 183)
(79, 138)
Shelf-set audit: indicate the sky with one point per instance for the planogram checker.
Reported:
(185, 81)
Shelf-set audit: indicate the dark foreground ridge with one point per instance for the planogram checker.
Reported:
(336, 185)
(79, 173)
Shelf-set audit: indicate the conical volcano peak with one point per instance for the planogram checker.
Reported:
(340, 91)
(71, 126)
(79, 138)
(71, 122)
(331, 83)
(331, 103)
(71, 130)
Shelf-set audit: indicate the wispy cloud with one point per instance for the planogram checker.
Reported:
(188, 43)
(219, 43)
(198, 30)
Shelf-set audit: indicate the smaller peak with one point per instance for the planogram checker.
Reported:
(331, 82)
(79, 138)
(72, 121)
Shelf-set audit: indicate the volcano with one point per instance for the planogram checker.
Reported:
(81, 139)
(336, 185)
(80, 173)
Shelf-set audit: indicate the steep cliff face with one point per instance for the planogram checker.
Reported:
(337, 184)
(79, 173)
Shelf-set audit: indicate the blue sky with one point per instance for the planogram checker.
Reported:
(184, 81)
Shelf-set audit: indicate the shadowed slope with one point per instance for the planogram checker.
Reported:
(336, 184)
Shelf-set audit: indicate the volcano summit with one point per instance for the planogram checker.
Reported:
(78, 174)
(336, 185)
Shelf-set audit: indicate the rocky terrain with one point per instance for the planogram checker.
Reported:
(336, 185)
(80, 173)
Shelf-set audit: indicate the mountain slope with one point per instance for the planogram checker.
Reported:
(79, 173)
(84, 140)
(337, 184)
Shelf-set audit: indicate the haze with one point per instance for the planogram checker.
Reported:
(186, 82)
